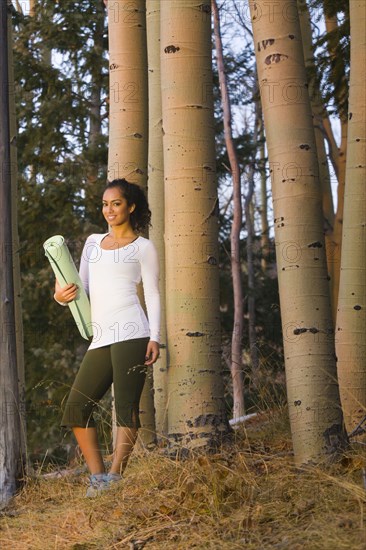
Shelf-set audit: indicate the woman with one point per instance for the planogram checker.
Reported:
(124, 341)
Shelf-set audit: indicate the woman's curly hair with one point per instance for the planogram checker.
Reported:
(140, 218)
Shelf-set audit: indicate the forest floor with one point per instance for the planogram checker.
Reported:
(247, 496)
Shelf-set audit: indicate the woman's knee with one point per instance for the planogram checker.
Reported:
(78, 414)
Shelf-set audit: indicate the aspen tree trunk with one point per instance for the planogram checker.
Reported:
(249, 217)
(32, 7)
(265, 246)
(341, 93)
(332, 144)
(128, 127)
(196, 411)
(11, 460)
(237, 372)
(312, 389)
(335, 155)
(351, 317)
(18, 6)
(331, 25)
(19, 336)
(156, 202)
(128, 89)
(147, 432)
(319, 114)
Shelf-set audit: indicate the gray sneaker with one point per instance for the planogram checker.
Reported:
(98, 484)
(112, 478)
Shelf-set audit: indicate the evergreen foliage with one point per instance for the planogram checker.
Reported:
(55, 156)
(332, 54)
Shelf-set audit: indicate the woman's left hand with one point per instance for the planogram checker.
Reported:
(152, 352)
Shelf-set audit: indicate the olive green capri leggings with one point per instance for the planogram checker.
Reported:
(121, 363)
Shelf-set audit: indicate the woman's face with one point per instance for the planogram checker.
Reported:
(115, 208)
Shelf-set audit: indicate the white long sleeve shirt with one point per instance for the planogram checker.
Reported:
(110, 278)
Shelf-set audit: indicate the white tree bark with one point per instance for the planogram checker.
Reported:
(196, 411)
(312, 388)
(351, 316)
(156, 201)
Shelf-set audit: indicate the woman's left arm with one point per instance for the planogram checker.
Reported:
(152, 352)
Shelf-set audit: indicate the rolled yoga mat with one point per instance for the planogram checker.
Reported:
(64, 268)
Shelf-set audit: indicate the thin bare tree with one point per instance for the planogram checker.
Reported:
(236, 365)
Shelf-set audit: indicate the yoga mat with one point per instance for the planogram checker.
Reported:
(64, 268)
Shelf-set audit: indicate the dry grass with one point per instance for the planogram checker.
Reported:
(246, 496)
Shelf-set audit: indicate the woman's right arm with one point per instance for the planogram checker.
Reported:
(68, 293)
(65, 294)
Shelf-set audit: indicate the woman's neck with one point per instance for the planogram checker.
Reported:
(122, 233)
